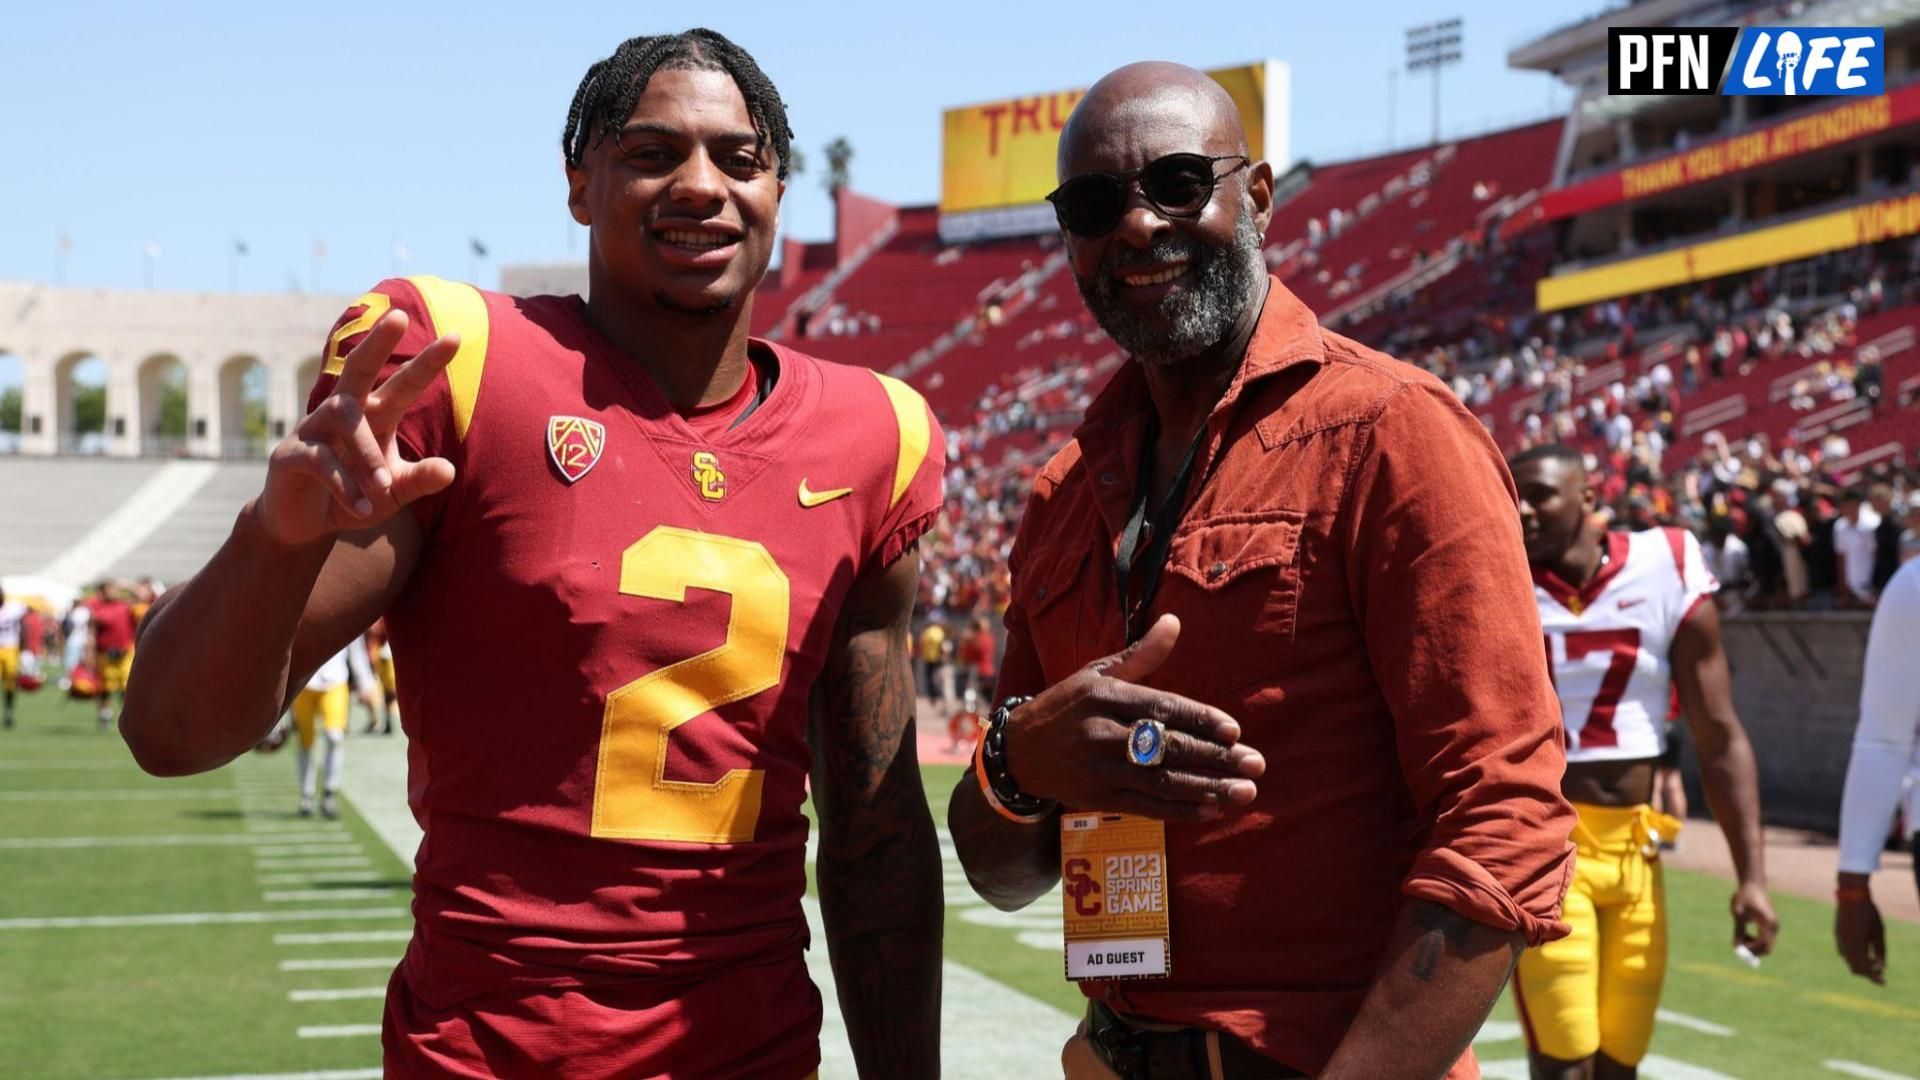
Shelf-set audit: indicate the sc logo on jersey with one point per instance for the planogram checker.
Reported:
(1757, 61)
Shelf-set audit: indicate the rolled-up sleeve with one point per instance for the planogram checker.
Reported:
(1439, 576)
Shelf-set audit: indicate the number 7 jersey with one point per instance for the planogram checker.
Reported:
(1608, 644)
(606, 649)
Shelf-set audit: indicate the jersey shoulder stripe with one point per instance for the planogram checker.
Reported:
(910, 414)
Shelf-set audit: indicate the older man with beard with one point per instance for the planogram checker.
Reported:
(1309, 833)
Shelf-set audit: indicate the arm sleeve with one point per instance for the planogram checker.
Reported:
(918, 475)
(1020, 672)
(427, 429)
(1439, 577)
(1889, 716)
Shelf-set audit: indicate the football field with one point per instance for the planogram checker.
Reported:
(197, 927)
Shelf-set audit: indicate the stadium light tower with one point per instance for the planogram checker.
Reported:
(1434, 46)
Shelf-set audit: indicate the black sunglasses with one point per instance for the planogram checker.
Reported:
(1179, 185)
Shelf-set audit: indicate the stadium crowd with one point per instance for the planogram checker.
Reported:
(1782, 526)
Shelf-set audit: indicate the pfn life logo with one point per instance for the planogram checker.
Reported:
(1811, 61)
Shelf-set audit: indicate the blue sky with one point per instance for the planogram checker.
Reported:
(363, 127)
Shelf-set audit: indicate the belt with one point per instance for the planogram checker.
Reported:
(1137, 1053)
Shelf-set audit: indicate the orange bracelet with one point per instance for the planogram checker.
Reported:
(986, 790)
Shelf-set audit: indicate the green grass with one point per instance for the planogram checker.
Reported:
(163, 1001)
(171, 1001)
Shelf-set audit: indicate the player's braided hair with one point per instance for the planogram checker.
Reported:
(607, 94)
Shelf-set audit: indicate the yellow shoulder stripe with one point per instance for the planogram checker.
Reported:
(458, 308)
(376, 304)
(910, 409)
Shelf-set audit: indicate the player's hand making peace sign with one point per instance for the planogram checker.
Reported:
(341, 469)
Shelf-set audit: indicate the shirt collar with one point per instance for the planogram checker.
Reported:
(1110, 436)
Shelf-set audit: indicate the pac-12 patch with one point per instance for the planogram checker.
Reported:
(574, 443)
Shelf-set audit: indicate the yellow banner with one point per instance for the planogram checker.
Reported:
(1837, 230)
(1001, 154)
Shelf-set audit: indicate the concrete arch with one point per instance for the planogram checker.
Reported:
(153, 378)
(242, 390)
(13, 380)
(224, 340)
(63, 424)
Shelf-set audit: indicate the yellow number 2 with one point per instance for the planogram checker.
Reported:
(632, 797)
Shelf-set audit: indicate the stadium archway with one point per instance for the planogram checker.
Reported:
(13, 400)
(304, 376)
(163, 406)
(79, 417)
(243, 431)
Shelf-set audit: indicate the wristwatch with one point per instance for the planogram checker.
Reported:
(996, 781)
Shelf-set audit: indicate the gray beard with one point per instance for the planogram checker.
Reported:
(1220, 284)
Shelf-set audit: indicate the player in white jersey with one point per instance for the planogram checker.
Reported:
(12, 614)
(320, 711)
(1627, 617)
(1886, 759)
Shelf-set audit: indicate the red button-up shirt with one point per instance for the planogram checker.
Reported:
(1352, 588)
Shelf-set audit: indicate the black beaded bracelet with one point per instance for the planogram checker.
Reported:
(993, 758)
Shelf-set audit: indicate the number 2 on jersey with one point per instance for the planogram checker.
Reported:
(1624, 645)
(632, 797)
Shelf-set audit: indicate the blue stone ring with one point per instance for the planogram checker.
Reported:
(1146, 743)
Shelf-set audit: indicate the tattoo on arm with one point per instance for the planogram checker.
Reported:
(879, 862)
(1441, 928)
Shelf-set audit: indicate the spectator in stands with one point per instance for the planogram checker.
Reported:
(936, 650)
(1225, 363)
(1886, 535)
(1910, 536)
(1728, 560)
(1790, 528)
(1853, 546)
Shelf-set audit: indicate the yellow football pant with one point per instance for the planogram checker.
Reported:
(1597, 988)
(114, 669)
(329, 706)
(9, 667)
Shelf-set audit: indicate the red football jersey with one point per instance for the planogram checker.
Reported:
(113, 625)
(605, 654)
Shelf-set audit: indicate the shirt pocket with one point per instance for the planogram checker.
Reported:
(1246, 566)
(1053, 599)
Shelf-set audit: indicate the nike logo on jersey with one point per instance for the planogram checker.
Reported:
(1631, 601)
(811, 499)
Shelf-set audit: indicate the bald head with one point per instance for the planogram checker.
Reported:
(1141, 108)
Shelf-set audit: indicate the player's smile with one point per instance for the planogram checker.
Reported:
(697, 244)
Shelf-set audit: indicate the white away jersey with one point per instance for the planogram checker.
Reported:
(11, 614)
(1608, 644)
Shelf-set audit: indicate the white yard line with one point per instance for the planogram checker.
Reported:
(323, 1075)
(323, 877)
(199, 918)
(187, 840)
(1658, 1067)
(342, 963)
(336, 862)
(1864, 1072)
(67, 764)
(350, 993)
(323, 846)
(1694, 1023)
(343, 937)
(307, 896)
(115, 795)
(1497, 1031)
(338, 1031)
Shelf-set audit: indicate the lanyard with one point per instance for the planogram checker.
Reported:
(1158, 533)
